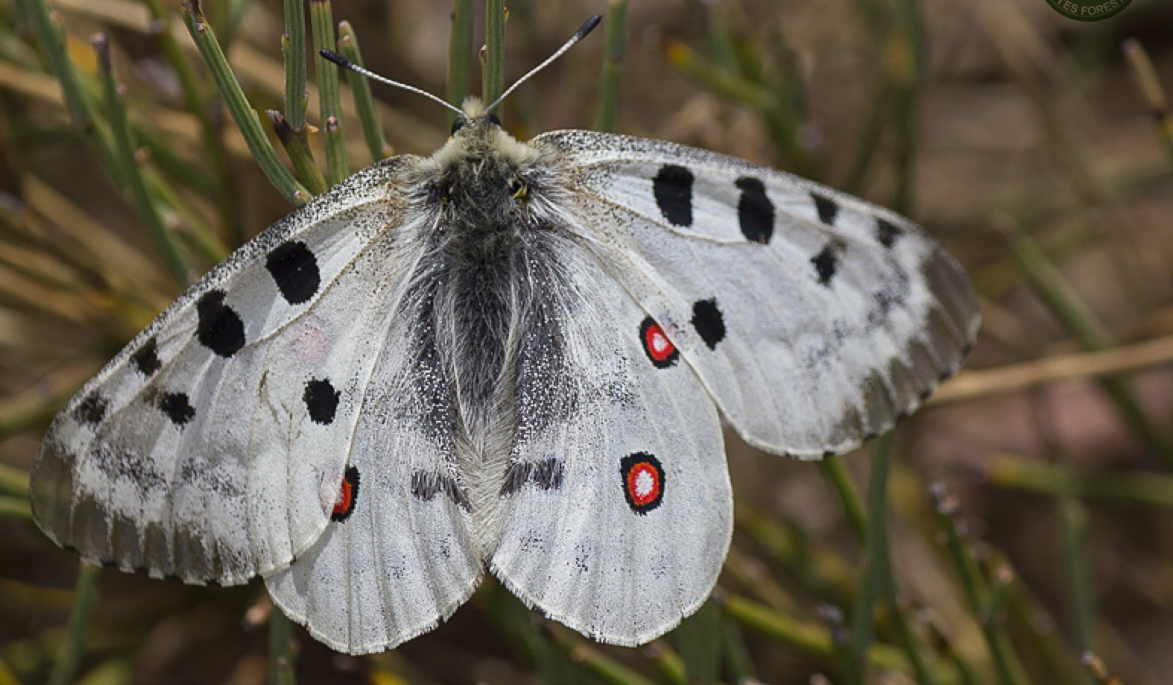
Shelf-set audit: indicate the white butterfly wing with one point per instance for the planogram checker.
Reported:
(212, 448)
(814, 319)
(616, 507)
(398, 557)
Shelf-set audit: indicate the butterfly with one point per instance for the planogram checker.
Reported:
(510, 357)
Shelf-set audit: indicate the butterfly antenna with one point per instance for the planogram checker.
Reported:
(347, 64)
(581, 33)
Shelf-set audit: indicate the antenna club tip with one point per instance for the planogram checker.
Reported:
(588, 26)
(335, 58)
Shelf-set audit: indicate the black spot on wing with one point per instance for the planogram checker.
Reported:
(220, 328)
(547, 474)
(826, 263)
(887, 232)
(146, 358)
(672, 187)
(177, 407)
(426, 485)
(321, 400)
(826, 207)
(755, 212)
(92, 409)
(708, 322)
(295, 271)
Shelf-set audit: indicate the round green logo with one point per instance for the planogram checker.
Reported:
(1088, 10)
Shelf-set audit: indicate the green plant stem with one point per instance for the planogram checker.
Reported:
(13, 481)
(592, 659)
(835, 470)
(360, 89)
(1148, 86)
(667, 662)
(1141, 489)
(875, 554)
(15, 508)
(1001, 650)
(136, 188)
(198, 105)
(1059, 297)
(242, 113)
(1079, 573)
(908, 80)
(281, 655)
(293, 50)
(611, 81)
(85, 597)
(811, 640)
(299, 153)
(329, 100)
(493, 68)
(459, 54)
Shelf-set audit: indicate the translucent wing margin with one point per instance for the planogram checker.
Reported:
(813, 318)
(213, 447)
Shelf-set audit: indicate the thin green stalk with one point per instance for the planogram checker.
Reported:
(739, 664)
(611, 81)
(459, 54)
(242, 113)
(1079, 573)
(281, 654)
(85, 596)
(1058, 295)
(668, 662)
(15, 508)
(835, 470)
(197, 104)
(493, 68)
(816, 642)
(293, 50)
(1148, 86)
(13, 481)
(329, 101)
(869, 141)
(77, 103)
(592, 659)
(1141, 489)
(698, 640)
(905, 105)
(140, 198)
(997, 640)
(360, 89)
(875, 552)
(299, 153)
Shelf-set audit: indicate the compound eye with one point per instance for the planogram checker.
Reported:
(458, 124)
(494, 120)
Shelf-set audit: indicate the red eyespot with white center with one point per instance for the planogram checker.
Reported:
(643, 481)
(658, 347)
(347, 496)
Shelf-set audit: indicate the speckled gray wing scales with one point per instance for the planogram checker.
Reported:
(213, 447)
(616, 508)
(398, 557)
(814, 319)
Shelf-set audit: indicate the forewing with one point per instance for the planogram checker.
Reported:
(617, 508)
(212, 448)
(397, 558)
(814, 319)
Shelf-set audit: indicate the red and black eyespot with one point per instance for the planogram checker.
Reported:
(643, 481)
(347, 496)
(657, 345)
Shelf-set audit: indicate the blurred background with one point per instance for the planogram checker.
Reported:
(1028, 505)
